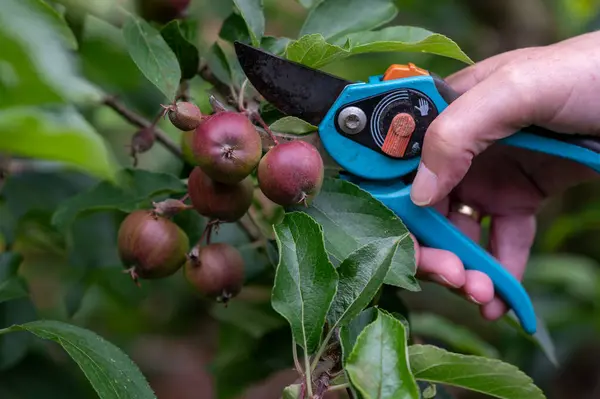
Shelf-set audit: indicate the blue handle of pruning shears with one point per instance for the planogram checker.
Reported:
(380, 175)
(433, 230)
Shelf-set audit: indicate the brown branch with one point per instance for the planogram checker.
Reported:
(142, 122)
(322, 385)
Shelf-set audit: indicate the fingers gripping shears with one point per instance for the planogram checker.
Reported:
(374, 131)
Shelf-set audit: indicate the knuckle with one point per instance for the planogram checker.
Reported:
(519, 82)
(443, 137)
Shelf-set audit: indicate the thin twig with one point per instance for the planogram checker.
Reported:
(260, 120)
(338, 387)
(210, 229)
(142, 122)
(206, 233)
(241, 96)
(322, 386)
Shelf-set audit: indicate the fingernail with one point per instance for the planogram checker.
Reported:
(442, 280)
(424, 186)
(472, 299)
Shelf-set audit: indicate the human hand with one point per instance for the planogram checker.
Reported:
(555, 87)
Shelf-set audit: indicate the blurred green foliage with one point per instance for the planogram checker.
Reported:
(77, 277)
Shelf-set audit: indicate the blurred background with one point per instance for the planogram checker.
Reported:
(189, 348)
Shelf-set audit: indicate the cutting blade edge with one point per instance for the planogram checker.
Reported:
(292, 88)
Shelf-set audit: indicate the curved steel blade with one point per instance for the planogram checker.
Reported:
(293, 88)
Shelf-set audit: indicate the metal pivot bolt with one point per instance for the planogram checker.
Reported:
(352, 120)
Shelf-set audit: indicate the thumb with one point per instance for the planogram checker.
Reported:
(493, 109)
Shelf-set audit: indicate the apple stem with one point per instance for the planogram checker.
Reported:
(260, 120)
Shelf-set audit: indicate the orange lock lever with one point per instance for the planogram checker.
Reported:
(398, 71)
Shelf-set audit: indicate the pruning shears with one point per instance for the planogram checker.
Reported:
(374, 131)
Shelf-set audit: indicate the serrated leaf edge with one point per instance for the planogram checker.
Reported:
(483, 359)
(59, 339)
(391, 214)
(380, 312)
(314, 8)
(278, 239)
(255, 40)
(394, 248)
(138, 24)
(348, 49)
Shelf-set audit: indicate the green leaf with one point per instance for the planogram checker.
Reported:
(152, 55)
(186, 53)
(218, 63)
(333, 18)
(305, 280)
(12, 286)
(63, 136)
(314, 51)
(460, 338)
(291, 124)
(350, 332)
(292, 391)
(35, 66)
(133, 189)
(275, 45)
(234, 28)
(235, 69)
(189, 29)
(351, 218)
(361, 275)
(488, 376)
(254, 319)
(252, 12)
(378, 365)
(405, 39)
(109, 370)
(58, 23)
